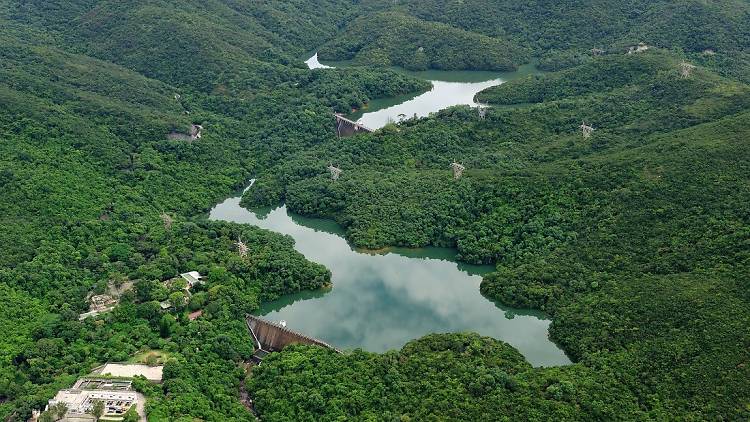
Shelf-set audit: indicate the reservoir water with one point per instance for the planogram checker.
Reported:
(380, 301)
(449, 88)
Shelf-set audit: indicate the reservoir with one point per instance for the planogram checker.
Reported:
(380, 301)
(449, 88)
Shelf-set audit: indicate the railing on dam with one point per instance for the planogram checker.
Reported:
(346, 127)
(271, 337)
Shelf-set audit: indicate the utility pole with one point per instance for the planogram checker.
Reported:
(335, 172)
(458, 170)
(586, 130)
(241, 247)
(686, 69)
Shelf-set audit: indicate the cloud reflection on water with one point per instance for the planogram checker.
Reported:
(381, 301)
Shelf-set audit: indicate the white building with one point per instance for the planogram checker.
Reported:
(192, 278)
(117, 396)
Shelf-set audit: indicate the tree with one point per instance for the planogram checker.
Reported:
(131, 415)
(46, 417)
(59, 410)
(97, 409)
(177, 299)
(166, 325)
(118, 280)
(152, 359)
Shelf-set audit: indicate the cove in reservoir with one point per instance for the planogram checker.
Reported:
(380, 301)
(449, 88)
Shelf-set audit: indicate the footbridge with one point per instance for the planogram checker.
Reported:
(271, 337)
(346, 127)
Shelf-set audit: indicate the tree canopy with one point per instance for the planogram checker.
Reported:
(634, 240)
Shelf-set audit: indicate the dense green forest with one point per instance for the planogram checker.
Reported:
(652, 205)
(562, 33)
(441, 376)
(636, 240)
(393, 39)
(95, 194)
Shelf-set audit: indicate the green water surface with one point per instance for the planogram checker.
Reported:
(449, 88)
(381, 300)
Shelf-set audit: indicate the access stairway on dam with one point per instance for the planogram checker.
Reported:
(271, 337)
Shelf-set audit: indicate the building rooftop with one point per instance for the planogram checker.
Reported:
(102, 384)
(194, 315)
(192, 278)
(117, 396)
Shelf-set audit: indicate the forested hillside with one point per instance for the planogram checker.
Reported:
(96, 195)
(604, 233)
(440, 376)
(561, 34)
(635, 240)
(212, 46)
(394, 39)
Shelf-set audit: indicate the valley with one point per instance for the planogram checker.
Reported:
(575, 249)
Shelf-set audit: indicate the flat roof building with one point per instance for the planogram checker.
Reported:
(117, 396)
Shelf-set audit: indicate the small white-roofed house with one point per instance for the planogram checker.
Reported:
(192, 278)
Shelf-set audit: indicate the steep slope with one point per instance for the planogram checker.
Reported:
(86, 173)
(657, 101)
(634, 239)
(95, 194)
(562, 33)
(203, 45)
(440, 376)
(386, 39)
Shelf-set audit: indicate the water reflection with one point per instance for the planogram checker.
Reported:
(381, 301)
(442, 95)
(449, 88)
